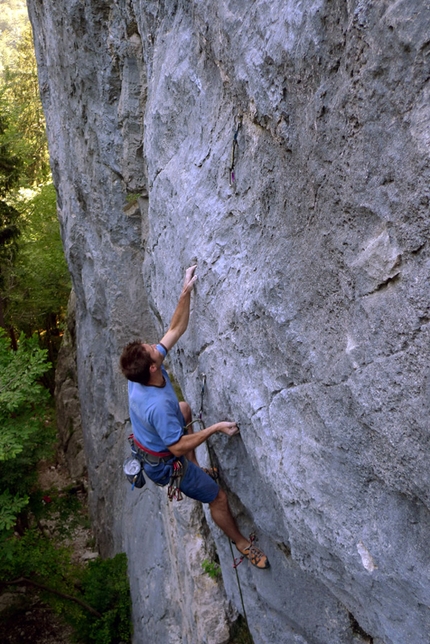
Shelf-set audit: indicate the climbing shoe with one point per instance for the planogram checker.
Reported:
(254, 554)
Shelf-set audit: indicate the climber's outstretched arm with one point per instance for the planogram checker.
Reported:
(181, 315)
(191, 441)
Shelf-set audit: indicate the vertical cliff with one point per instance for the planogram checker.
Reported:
(311, 313)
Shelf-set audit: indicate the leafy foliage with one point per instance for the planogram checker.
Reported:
(10, 168)
(105, 587)
(10, 507)
(9, 233)
(22, 398)
(38, 284)
(13, 19)
(23, 416)
(211, 568)
(34, 288)
(10, 162)
(36, 557)
(95, 598)
(24, 123)
(34, 280)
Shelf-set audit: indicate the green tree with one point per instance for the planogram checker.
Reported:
(10, 163)
(10, 168)
(23, 148)
(104, 586)
(34, 288)
(38, 283)
(13, 18)
(23, 415)
(34, 281)
(94, 598)
(24, 132)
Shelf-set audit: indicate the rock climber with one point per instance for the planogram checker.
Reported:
(162, 426)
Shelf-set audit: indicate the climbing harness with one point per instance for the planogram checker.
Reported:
(133, 468)
(233, 152)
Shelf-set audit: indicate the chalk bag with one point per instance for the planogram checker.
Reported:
(133, 471)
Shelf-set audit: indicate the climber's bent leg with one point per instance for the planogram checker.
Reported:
(221, 514)
(200, 486)
(223, 517)
(186, 413)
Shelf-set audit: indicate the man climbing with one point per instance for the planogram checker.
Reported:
(162, 426)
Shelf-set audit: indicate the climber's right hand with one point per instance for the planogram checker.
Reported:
(228, 428)
(190, 278)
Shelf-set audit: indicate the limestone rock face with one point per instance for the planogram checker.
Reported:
(283, 145)
(68, 406)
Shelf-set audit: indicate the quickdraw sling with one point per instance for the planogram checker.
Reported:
(173, 489)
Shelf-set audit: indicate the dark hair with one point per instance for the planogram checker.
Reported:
(135, 362)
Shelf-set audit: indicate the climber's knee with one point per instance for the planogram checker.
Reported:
(220, 500)
(186, 411)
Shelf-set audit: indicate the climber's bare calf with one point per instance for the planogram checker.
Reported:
(224, 519)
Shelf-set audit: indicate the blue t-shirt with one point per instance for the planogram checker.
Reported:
(155, 414)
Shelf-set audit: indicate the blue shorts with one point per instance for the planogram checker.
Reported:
(196, 484)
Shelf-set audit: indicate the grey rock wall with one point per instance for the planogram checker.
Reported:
(311, 314)
(68, 408)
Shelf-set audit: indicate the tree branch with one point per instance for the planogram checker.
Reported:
(28, 582)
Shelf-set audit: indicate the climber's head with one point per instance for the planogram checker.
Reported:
(136, 361)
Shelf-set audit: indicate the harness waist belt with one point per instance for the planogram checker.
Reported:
(149, 451)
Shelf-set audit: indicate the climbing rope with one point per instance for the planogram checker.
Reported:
(235, 564)
(238, 583)
(233, 152)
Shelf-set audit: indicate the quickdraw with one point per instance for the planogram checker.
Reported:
(173, 491)
(233, 152)
(202, 395)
